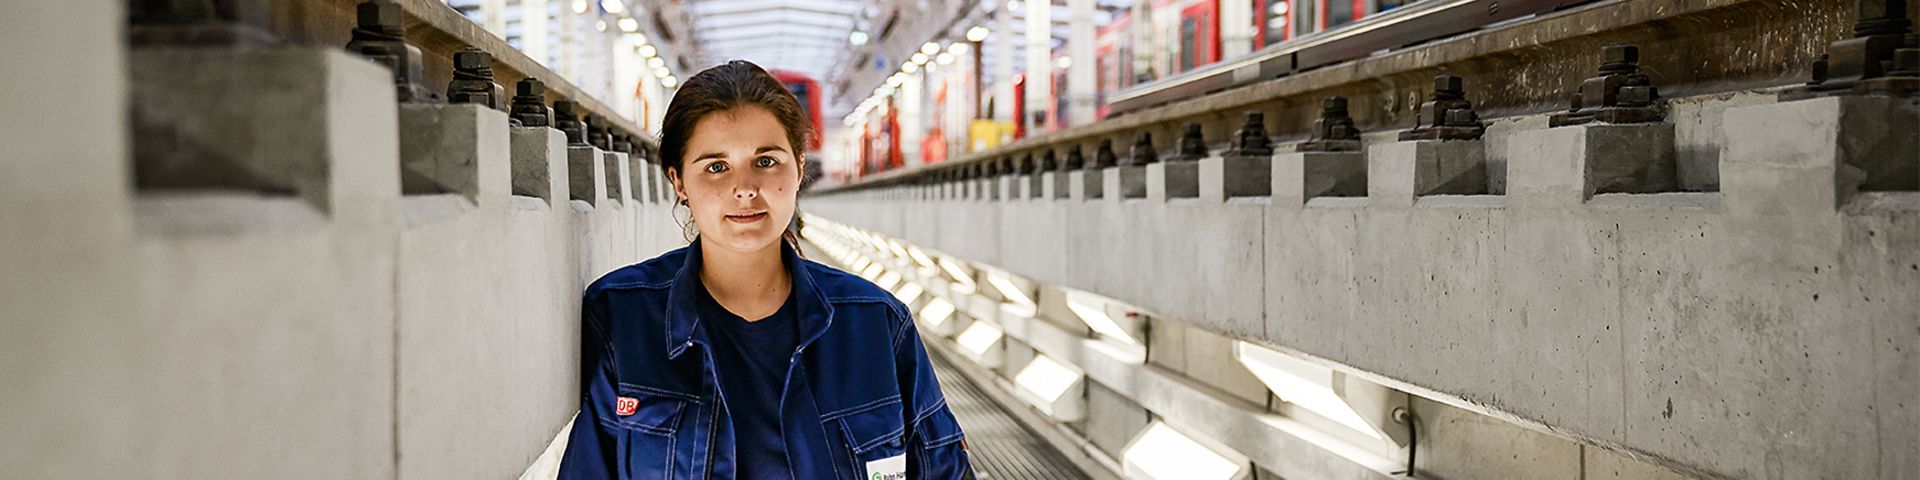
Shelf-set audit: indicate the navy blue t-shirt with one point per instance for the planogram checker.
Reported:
(751, 359)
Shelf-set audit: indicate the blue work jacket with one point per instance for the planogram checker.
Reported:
(860, 402)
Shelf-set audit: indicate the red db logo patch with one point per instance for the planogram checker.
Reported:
(625, 405)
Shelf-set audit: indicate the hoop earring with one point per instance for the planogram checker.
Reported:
(688, 230)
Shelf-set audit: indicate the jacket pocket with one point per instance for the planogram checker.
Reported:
(873, 434)
(939, 446)
(650, 422)
(938, 429)
(648, 411)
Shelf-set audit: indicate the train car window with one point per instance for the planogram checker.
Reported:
(1305, 17)
(1386, 5)
(1188, 29)
(800, 92)
(1339, 12)
(1272, 21)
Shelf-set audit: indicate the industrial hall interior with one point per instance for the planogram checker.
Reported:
(1114, 239)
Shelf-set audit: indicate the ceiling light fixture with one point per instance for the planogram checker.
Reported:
(977, 33)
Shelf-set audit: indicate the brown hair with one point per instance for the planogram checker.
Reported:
(735, 84)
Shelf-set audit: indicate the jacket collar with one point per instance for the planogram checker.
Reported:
(812, 309)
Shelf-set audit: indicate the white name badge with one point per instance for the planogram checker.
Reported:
(890, 468)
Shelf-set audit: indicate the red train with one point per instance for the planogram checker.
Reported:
(1182, 38)
(1164, 51)
(807, 90)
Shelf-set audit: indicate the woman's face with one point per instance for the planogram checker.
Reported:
(740, 178)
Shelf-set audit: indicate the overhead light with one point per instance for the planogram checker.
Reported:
(929, 48)
(1063, 62)
(957, 48)
(945, 58)
(657, 62)
(857, 38)
(670, 82)
(1162, 453)
(977, 33)
(600, 25)
(639, 39)
(661, 73)
(615, 7)
(629, 25)
(648, 51)
(920, 58)
(909, 67)
(1015, 5)
(579, 6)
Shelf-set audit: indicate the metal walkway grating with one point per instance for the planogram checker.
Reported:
(999, 447)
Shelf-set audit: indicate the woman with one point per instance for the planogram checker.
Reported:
(735, 358)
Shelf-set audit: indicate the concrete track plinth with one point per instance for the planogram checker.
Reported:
(1819, 153)
(1302, 176)
(616, 174)
(1177, 179)
(1124, 182)
(441, 146)
(1568, 165)
(1400, 172)
(586, 166)
(539, 168)
(1227, 177)
(1086, 184)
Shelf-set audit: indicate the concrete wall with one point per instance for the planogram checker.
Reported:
(1761, 329)
(296, 315)
(1187, 376)
(66, 357)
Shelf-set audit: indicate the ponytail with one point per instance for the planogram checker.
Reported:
(792, 238)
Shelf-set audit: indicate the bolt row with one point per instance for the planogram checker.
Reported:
(1618, 93)
(380, 35)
